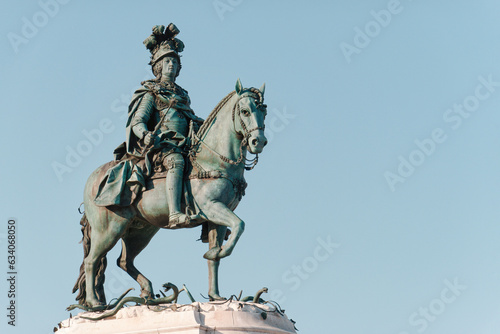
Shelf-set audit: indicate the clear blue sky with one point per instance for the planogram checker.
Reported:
(384, 125)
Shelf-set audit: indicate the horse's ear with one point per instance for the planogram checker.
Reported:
(263, 88)
(239, 86)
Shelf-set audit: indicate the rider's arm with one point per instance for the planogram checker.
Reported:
(193, 115)
(142, 116)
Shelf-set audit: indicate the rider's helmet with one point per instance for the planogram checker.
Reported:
(162, 43)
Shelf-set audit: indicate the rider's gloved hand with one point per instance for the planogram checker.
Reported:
(150, 138)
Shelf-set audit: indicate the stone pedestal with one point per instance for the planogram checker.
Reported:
(215, 317)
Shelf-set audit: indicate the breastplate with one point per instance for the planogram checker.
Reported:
(174, 121)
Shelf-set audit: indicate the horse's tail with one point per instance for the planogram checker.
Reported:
(99, 279)
(80, 282)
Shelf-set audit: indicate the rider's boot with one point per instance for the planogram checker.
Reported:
(175, 165)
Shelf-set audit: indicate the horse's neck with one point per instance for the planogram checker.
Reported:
(222, 139)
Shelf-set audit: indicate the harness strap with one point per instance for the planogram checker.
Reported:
(239, 184)
(223, 158)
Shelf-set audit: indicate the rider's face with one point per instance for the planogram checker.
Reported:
(170, 68)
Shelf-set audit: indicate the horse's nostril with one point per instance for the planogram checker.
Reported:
(265, 143)
(255, 141)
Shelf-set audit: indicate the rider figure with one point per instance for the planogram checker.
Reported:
(167, 103)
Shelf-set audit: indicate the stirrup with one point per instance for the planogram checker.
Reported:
(176, 219)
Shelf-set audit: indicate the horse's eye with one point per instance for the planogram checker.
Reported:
(245, 112)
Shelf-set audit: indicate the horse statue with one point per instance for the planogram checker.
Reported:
(214, 178)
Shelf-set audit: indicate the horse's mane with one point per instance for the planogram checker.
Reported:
(206, 124)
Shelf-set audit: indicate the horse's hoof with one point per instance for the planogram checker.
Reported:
(147, 294)
(96, 307)
(224, 253)
(212, 254)
(215, 298)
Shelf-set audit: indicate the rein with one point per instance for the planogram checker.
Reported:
(226, 159)
(244, 142)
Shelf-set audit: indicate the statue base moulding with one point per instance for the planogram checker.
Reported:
(212, 317)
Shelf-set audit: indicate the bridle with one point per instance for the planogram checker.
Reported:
(249, 163)
(259, 105)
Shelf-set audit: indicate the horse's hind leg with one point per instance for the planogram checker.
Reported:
(103, 237)
(133, 242)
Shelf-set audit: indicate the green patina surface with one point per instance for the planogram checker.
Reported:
(174, 170)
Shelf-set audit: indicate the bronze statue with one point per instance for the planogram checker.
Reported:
(170, 173)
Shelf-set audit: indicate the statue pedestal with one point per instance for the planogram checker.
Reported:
(214, 317)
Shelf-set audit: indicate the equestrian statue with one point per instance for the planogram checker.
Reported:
(175, 170)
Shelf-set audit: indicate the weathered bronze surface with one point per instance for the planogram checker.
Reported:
(173, 171)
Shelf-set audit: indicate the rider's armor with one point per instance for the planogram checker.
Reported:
(153, 108)
(172, 134)
(158, 100)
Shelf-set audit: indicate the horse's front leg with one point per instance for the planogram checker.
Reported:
(216, 234)
(218, 213)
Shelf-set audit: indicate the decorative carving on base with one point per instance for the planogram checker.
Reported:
(213, 317)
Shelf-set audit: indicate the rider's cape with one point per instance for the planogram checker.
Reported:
(124, 181)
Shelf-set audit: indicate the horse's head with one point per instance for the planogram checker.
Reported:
(249, 114)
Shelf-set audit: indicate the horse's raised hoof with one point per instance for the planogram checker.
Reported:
(212, 254)
(225, 252)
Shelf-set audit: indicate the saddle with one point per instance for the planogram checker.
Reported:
(128, 175)
(124, 179)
